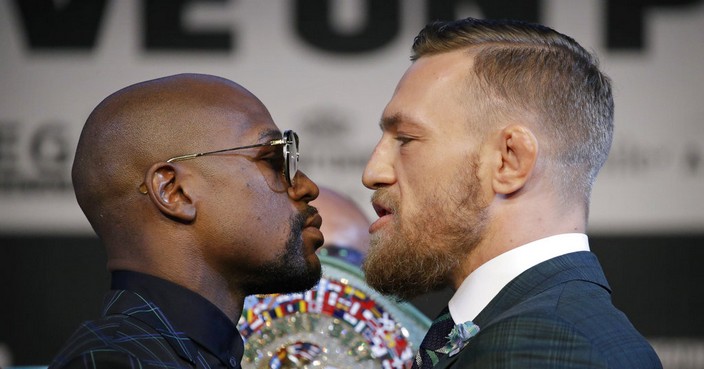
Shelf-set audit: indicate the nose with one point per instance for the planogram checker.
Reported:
(379, 171)
(303, 189)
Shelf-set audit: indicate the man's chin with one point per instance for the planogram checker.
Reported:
(306, 284)
(395, 277)
(398, 292)
(288, 278)
(306, 281)
(387, 284)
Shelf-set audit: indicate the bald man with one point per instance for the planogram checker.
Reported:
(345, 226)
(195, 194)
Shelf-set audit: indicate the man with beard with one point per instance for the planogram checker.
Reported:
(482, 177)
(195, 194)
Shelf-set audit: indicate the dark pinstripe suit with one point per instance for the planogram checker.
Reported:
(557, 314)
(136, 332)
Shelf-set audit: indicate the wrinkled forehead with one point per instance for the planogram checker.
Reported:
(439, 72)
(213, 121)
(241, 130)
(431, 93)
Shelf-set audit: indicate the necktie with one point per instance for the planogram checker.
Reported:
(435, 339)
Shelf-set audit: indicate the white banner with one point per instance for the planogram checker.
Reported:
(331, 83)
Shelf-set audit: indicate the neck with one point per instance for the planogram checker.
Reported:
(187, 271)
(512, 226)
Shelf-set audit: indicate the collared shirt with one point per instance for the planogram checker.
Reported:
(483, 284)
(202, 321)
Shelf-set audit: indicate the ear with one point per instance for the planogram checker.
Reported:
(168, 189)
(518, 154)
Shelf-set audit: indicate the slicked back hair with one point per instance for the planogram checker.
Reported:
(532, 71)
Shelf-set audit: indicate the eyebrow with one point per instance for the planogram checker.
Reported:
(270, 135)
(392, 121)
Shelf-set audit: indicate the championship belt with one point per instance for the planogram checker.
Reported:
(341, 323)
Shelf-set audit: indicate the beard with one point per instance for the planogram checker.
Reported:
(417, 253)
(290, 271)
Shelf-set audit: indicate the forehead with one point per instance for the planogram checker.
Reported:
(241, 123)
(432, 93)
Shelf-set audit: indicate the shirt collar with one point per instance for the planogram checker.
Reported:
(483, 284)
(197, 317)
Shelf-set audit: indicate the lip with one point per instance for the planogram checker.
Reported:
(314, 221)
(380, 209)
(385, 216)
(311, 229)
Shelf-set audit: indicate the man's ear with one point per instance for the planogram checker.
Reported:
(166, 186)
(518, 154)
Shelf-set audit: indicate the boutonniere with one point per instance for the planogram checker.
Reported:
(458, 338)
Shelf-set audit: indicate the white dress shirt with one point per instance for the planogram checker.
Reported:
(483, 284)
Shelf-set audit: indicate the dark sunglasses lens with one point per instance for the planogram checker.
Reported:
(291, 156)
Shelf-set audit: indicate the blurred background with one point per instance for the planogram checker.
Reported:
(326, 68)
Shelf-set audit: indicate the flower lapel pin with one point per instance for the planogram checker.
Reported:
(458, 338)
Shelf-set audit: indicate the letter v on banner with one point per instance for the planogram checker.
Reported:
(71, 24)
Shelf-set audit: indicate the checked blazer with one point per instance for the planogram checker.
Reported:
(557, 314)
(132, 333)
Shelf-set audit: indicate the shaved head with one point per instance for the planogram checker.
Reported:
(143, 124)
(224, 225)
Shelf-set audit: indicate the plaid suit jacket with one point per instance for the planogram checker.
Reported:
(133, 333)
(557, 314)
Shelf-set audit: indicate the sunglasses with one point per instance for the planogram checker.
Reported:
(289, 141)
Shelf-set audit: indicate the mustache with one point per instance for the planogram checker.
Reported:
(385, 198)
(297, 222)
(300, 219)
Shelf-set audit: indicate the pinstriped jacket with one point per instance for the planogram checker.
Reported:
(136, 333)
(557, 314)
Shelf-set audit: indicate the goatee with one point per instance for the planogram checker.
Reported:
(290, 271)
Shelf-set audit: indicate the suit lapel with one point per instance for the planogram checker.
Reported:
(569, 267)
(574, 266)
(122, 302)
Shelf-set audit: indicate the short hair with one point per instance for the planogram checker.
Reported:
(533, 70)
